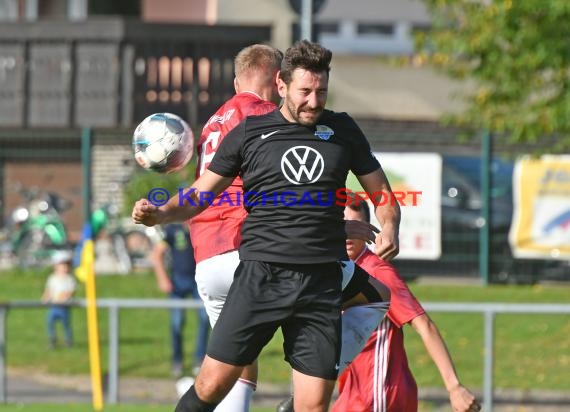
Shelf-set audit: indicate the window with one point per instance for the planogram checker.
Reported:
(8, 10)
(327, 28)
(123, 7)
(382, 29)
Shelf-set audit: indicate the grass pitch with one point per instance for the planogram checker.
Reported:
(531, 350)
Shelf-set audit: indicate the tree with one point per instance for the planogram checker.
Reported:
(517, 53)
(143, 182)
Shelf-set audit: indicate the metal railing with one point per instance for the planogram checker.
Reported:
(489, 310)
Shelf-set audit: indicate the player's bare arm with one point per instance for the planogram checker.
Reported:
(387, 213)
(461, 399)
(181, 208)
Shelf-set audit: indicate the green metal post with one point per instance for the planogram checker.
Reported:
(86, 135)
(484, 230)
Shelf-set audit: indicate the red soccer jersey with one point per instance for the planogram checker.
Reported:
(379, 379)
(218, 229)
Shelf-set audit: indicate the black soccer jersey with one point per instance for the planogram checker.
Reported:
(291, 175)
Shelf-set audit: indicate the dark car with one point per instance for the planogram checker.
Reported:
(461, 212)
(461, 220)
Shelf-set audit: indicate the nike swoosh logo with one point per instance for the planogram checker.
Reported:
(266, 135)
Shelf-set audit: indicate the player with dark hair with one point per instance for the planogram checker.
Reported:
(216, 232)
(289, 275)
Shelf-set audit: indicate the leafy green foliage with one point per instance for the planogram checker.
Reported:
(143, 181)
(518, 57)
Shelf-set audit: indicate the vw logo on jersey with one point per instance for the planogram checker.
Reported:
(302, 164)
(324, 132)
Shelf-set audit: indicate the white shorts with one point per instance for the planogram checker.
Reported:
(215, 275)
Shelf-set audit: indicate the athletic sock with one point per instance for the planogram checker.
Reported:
(239, 397)
(358, 323)
(190, 402)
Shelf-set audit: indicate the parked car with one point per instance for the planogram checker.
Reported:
(461, 220)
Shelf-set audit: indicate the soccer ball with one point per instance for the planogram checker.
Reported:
(163, 143)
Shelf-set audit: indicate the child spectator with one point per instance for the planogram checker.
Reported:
(59, 289)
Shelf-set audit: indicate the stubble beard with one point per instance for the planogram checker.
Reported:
(292, 110)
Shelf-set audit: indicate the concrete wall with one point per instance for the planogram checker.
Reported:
(191, 11)
(263, 12)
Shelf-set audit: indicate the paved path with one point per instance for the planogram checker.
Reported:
(26, 387)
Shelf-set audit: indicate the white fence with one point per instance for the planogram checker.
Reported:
(488, 310)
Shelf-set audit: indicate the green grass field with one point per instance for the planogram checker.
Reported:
(107, 408)
(88, 408)
(532, 351)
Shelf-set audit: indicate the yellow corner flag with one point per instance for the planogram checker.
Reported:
(86, 273)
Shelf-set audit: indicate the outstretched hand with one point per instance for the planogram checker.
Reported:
(462, 400)
(355, 229)
(145, 213)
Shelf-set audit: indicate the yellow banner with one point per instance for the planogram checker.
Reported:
(541, 221)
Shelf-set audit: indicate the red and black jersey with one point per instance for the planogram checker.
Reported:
(291, 177)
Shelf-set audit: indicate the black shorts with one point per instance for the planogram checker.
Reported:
(358, 284)
(304, 300)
